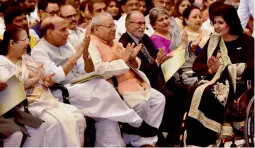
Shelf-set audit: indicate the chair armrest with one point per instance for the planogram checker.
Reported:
(64, 91)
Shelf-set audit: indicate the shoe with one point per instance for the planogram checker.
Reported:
(145, 130)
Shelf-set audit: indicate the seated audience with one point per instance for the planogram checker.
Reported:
(226, 59)
(119, 66)
(205, 12)
(127, 6)
(197, 38)
(173, 28)
(41, 103)
(150, 65)
(143, 6)
(207, 25)
(45, 8)
(14, 17)
(29, 7)
(13, 132)
(98, 100)
(85, 16)
(162, 37)
(113, 8)
(180, 6)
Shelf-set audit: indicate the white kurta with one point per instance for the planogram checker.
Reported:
(2, 26)
(208, 26)
(95, 98)
(76, 36)
(149, 109)
(65, 123)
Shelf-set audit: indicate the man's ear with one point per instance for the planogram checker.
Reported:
(123, 8)
(11, 43)
(40, 14)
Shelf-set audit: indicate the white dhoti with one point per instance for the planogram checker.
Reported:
(151, 111)
(98, 99)
(13, 140)
(36, 138)
(65, 123)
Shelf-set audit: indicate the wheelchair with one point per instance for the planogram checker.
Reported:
(90, 131)
(241, 120)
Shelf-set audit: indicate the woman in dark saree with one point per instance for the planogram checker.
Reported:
(227, 62)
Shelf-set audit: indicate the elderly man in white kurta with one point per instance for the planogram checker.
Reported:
(117, 64)
(95, 98)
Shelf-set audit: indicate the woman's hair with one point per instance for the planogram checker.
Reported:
(230, 16)
(214, 7)
(186, 13)
(107, 3)
(176, 12)
(82, 9)
(154, 14)
(11, 33)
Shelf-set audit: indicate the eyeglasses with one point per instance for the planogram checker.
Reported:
(70, 16)
(52, 13)
(112, 26)
(138, 23)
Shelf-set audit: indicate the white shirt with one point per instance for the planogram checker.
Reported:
(208, 26)
(245, 10)
(121, 27)
(32, 17)
(2, 26)
(54, 57)
(76, 36)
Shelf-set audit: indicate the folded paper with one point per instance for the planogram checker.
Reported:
(171, 66)
(13, 95)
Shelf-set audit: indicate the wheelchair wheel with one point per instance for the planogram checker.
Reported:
(249, 124)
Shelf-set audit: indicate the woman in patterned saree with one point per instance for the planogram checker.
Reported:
(226, 59)
(65, 123)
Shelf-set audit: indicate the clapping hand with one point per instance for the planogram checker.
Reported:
(162, 56)
(195, 43)
(134, 52)
(214, 64)
(126, 55)
(48, 80)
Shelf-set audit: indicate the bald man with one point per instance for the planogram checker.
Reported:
(96, 98)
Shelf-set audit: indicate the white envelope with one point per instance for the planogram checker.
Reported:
(13, 95)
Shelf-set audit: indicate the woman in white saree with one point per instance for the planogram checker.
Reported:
(65, 123)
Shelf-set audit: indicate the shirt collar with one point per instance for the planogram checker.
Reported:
(134, 38)
(49, 44)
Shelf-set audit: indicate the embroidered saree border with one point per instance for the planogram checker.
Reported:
(197, 96)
